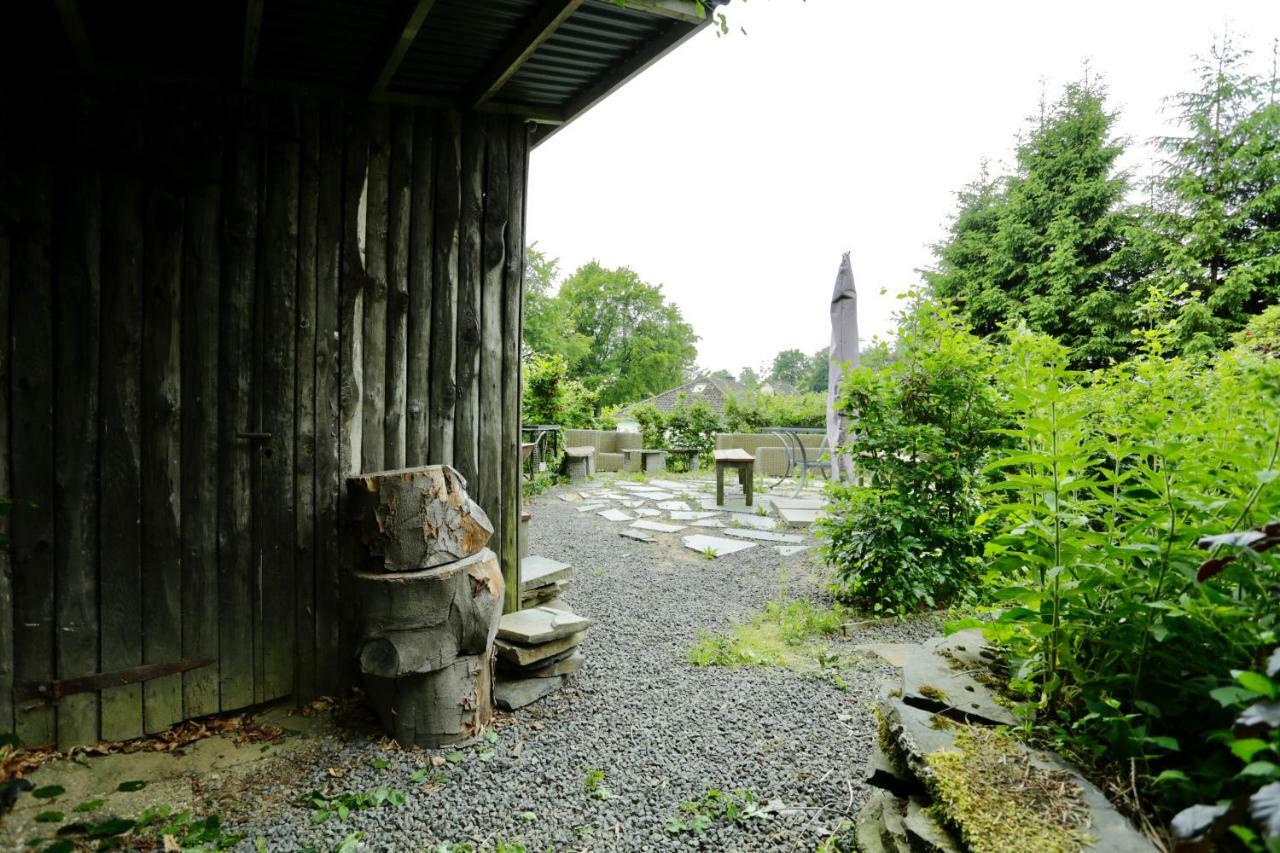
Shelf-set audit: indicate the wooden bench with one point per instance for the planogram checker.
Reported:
(646, 460)
(745, 463)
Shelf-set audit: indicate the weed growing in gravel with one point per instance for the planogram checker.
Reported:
(146, 832)
(594, 785)
(716, 807)
(710, 553)
(787, 635)
(344, 804)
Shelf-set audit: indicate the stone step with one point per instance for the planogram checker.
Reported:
(537, 625)
(538, 572)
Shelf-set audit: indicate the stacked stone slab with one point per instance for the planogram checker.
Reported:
(538, 647)
(938, 700)
(429, 597)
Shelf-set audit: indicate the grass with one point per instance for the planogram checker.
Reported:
(785, 635)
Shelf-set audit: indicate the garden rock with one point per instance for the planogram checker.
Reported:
(765, 536)
(924, 833)
(715, 545)
(657, 526)
(541, 624)
(542, 571)
(932, 682)
(518, 693)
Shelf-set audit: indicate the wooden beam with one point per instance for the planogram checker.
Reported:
(540, 28)
(252, 34)
(69, 12)
(400, 44)
(688, 11)
(675, 35)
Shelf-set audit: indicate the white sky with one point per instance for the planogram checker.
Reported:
(735, 171)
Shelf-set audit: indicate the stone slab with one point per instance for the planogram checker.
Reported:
(657, 526)
(800, 517)
(656, 495)
(616, 515)
(637, 535)
(783, 502)
(765, 536)
(673, 505)
(758, 522)
(648, 512)
(894, 654)
(565, 666)
(540, 625)
(521, 654)
(632, 504)
(790, 550)
(739, 506)
(722, 547)
(588, 507)
(932, 681)
(708, 522)
(669, 484)
(924, 832)
(543, 595)
(571, 497)
(511, 695)
(542, 571)
(685, 515)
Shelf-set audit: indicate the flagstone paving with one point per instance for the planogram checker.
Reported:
(715, 546)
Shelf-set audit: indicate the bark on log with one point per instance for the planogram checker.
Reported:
(423, 621)
(417, 518)
(448, 706)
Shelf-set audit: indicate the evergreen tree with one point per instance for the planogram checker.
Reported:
(1048, 244)
(1219, 215)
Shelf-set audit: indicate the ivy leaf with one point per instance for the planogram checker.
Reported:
(418, 776)
(381, 764)
(89, 806)
(48, 792)
(114, 826)
(50, 817)
(133, 785)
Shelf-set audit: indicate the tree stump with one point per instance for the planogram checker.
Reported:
(417, 518)
(447, 706)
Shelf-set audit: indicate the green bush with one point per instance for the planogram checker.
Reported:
(687, 425)
(551, 397)
(904, 539)
(754, 412)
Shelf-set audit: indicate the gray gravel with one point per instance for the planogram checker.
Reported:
(663, 731)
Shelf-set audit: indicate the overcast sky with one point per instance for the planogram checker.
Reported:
(735, 171)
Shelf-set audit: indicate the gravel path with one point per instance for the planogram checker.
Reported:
(662, 731)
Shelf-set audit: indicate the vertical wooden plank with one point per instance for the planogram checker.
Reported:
(329, 480)
(496, 201)
(120, 495)
(274, 498)
(32, 443)
(350, 331)
(374, 339)
(469, 263)
(444, 290)
(77, 266)
(6, 491)
(397, 286)
(305, 407)
(421, 246)
(513, 295)
(236, 576)
(201, 282)
(161, 418)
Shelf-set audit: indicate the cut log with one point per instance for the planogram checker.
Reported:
(423, 621)
(434, 709)
(417, 518)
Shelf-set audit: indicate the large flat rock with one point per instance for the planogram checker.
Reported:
(757, 522)
(657, 526)
(800, 517)
(540, 625)
(517, 693)
(938, 684)
(720, 546)
(638, 535)
(542, 571)
(765, 535)
(521, 654)
(924, 832)
(616, 515)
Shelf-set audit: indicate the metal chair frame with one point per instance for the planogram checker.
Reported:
(798, 455)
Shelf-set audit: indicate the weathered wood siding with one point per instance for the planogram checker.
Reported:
(215, 308)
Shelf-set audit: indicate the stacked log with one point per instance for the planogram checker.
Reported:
(430, 595)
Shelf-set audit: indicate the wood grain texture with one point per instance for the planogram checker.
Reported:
(305, 422)
(201, 283)
(237, 585)
(161, 418)
(398, 221)
(374, 338)
(6, 490)
(274, 488)
(467, 428)
(512, 300)
(494, 253)
(421, 247)
(329, 570)
(444, 291)
(77, 298)
(119, 511)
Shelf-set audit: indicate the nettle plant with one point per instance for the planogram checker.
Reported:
(903, 539)
(1096, 531)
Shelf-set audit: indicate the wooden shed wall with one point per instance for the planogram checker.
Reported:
(180, 271)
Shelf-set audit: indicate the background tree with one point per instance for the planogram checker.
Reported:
(547, 329)
(638, 344)
(819, 367)
(748, 377)
(791, 366)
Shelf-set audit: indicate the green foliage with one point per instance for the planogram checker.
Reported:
(904, 539)
(594, 785)
(793, 367)
(1047, 244)
(687, 425)
(784, 635)
(342, 805)
(754, 412)
(546, 325)
(551, 397)
(716, 807)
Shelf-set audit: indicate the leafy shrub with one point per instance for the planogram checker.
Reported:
(924, 428)
(687, 425)
(551, 397)
(754, 412)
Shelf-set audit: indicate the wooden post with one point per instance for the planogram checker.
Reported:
(469, 274)
(512, 298)
(274, 495)
(236, 575)
(306, 427)
(6, 490)
(444, 291)
(374, 338)
(397, 286)
(201, 284)
(162, 422)
(497, 180)
(421, 250)
(330, 573)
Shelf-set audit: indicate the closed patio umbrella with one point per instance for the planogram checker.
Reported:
(844, 348)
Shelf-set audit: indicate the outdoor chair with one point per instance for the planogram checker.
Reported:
(800, 458)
